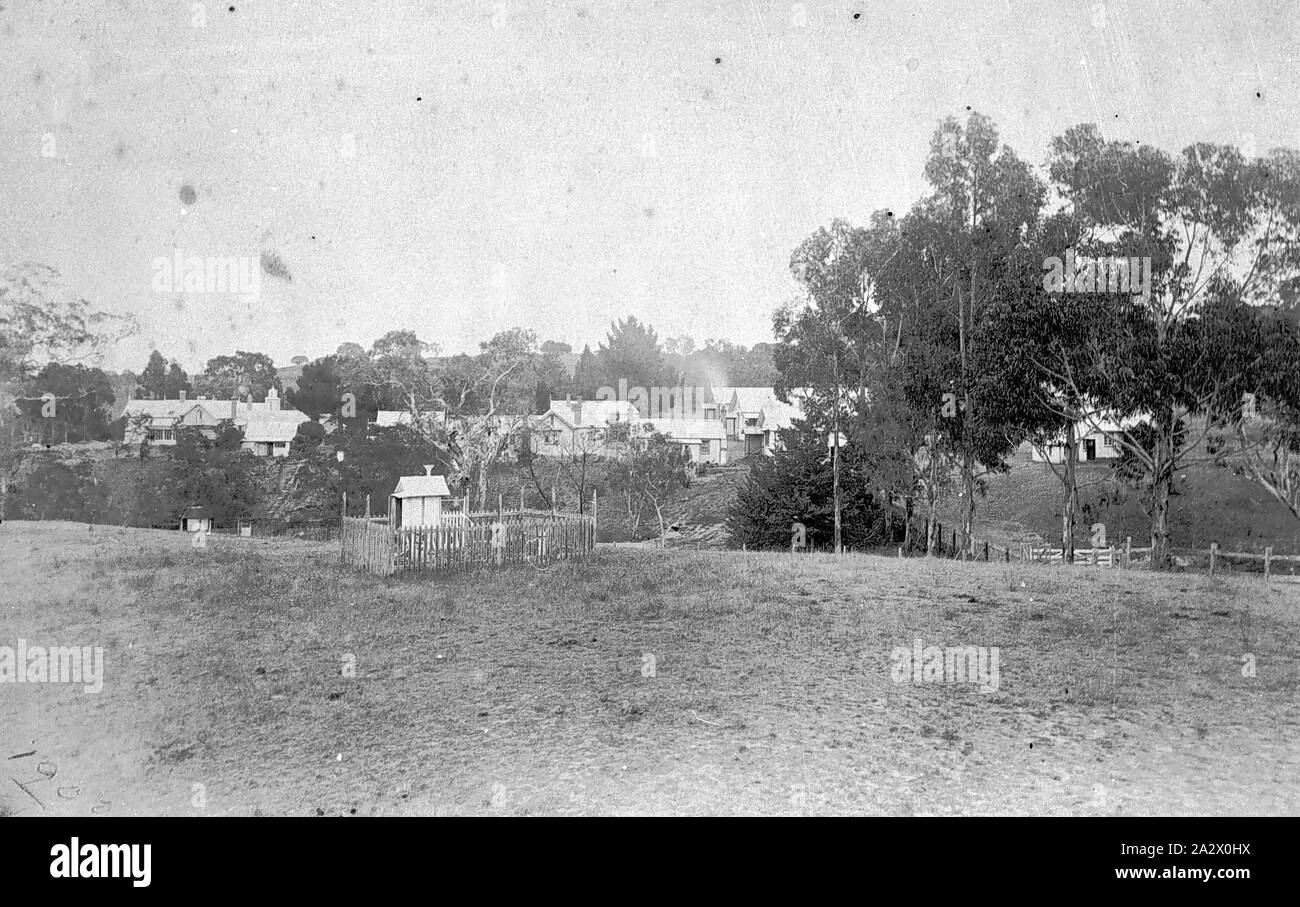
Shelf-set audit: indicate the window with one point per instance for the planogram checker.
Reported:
(162, 434)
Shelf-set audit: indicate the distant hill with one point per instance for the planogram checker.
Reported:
(289, 376)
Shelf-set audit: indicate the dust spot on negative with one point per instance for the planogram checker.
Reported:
(913, 64)
(119, 151)
(274, 266)
(179, 304)
(188, 195)
(649, 212)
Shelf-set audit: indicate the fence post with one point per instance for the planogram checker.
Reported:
(1128, 551)
(986, 551)
(1214, 555)
(1268, 562)
(1113, 563)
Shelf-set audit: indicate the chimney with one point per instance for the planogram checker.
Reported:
(182, 395)
(234, 410)
(272, 401)
(428, 470)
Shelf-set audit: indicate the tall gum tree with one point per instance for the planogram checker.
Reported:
(1215, 227)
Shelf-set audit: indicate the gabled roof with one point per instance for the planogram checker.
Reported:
(752, 399)
(421, 487)
(176, 409)
(564, 415)
(689, 429)
(264, 430)
(776, 414)
(387, 418)
(262, 415)
(595, 412)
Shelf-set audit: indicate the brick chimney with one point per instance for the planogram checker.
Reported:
(272, 401)
(182, 395)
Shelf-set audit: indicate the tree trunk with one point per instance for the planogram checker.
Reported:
(932, 518)
(968, 511)
(1071, 503)
(835, 461)
(968, 453)
(1162, 481)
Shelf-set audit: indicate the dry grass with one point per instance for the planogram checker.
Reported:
(524, 692)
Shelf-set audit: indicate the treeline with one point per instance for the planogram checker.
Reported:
(994, 312)
(64, 402)
(154, 489)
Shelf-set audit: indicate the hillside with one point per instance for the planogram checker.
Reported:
(699, 512)
(1211, 504)
(640, 682)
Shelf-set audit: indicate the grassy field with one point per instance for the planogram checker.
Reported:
(530, 692)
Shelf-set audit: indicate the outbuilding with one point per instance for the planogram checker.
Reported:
(196, 519)
(417, 500)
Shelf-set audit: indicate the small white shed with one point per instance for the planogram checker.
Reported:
(196, 519)
(417, 500)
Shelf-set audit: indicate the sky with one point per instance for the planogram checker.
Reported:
(459, 168)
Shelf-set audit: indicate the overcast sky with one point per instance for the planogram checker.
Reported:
(550, 165)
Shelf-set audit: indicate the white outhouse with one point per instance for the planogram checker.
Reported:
(417, 500)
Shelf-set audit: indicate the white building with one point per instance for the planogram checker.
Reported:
(417, 501)
(268, 429)
(580, 426)
(1094, 438)
(752, 417)
(705, 440)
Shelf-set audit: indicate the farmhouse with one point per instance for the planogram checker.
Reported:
(417, 501)
(1095, 440)
(705, 440)
(268, 429)
(753, 415)
(570, 426)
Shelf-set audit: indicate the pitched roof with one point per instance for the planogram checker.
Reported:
(780, 415)
(265, 430)
(595, 412)
(387, 418)
(689, 429)
(422, 487)
(175, 409)
(752, 399)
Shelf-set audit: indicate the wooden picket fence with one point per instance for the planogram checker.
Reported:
(486, 539)
(367, 543)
